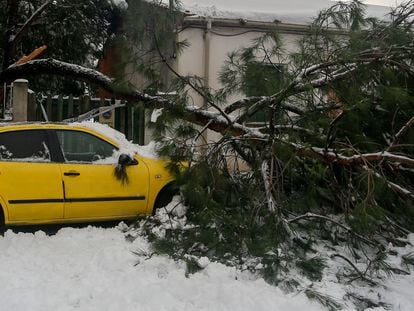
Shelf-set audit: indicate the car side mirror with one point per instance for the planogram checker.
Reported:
(125, 160)
(120, 171)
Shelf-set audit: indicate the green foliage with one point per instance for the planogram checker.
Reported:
(148, 42)
(244, 72)
(74, 31)
(329, 302)
(312, 268)
(314, 175)
(262, 79)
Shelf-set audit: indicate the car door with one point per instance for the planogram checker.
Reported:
(30, 179)
(91, 188)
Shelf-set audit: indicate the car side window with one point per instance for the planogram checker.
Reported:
(83, 147)
(24, 146)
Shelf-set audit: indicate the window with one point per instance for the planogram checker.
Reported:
(83, 147)
(263, 79)
(27, 146)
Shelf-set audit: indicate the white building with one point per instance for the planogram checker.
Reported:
(214, 28)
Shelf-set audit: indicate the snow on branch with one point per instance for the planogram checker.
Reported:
(402, 131)
(394, 186)
(363, 158)
(327, 78)
(268, 186)
(213, 120)
(199, 116)
(320, 75)
(308, 216)
(242, 103)
(311, 69)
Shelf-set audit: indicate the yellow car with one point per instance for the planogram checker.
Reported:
(58, 173)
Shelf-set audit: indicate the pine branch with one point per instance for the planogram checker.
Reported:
(361, 275)
(393, 223)
(327, 78)
(401, 132)
(308, 216)
(288, 128)
(268, 187)
(329, 73)
(251, 100)
(267, 101)
(329, 302)
(272, 205)
(403, 12)
(58, 68)
(199, 134)
(296, 87)
(192, 114)
(331, 155)
(242, 103)
(392, 185)
(304, 73)
(187, 82)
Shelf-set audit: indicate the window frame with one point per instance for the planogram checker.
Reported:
(59, 150)
(257, 118)
(54, 158)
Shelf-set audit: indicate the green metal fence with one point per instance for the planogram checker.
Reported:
(129, 119)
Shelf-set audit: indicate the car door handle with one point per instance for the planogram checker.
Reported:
(71, 173)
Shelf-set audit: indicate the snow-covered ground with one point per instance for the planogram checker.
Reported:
(95, 268)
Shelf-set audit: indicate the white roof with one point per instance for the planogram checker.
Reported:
(286, 11)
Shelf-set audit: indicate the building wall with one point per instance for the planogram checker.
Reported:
(209, 50)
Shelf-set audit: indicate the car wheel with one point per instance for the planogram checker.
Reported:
(164, 197)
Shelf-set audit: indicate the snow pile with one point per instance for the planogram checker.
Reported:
(293, 11)
(98, 269)
(388, 292)
(148, 151)
(345, 282)
(116, 269)
(121, 3)
(156, 113)
(171, 216)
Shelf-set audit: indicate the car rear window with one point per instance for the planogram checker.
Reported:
(25, 145)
